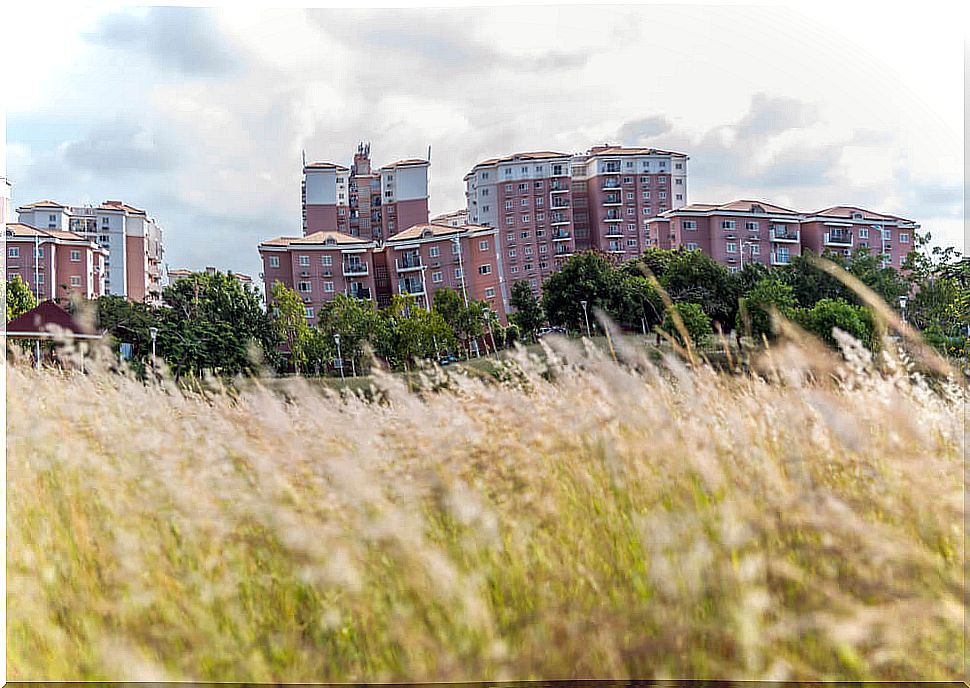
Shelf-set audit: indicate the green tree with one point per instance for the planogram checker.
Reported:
(587, 276)
(828, 314)
(360, 327)
(213, 322)
(289, 321)
(695, 321)
(528, 316)
(18, 297)
(692, 277)
(414, 332)
(757, 303)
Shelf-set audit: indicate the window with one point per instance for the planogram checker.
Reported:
(508, 204)
(303, 287)
(105, 221)
(489, 292)
(540, 232)
(75, 256)
(483, 245)
(514, 269)
(510, 236)
(646, 195)
(644, 180)
(731, 247)
(13, 252)
(540, 216)
(437, 277)
(457, 273)
(455, 247)
(691, 246)
(679, 181)
(40, 251)
(543, 248)
(525, 235)
(679, 166)
(556, 170)
(508, 173)
(484, 192)
(434, 252)
(629, 196)
(525, 219)
(631, 211)
(522, 187)
(863, 232)
(511, 253)
(680, 197)
(755, 250)
(304, 261)
(631, 242)
(628, 180)
(732, 269)
(309, 312)
(728, 224)
(903, 237)
(508, 187)
(540, 201)
(326, 261)
(646, 211)
(528, 250)
(40, 278)
(689, 224)
(663, 195)
(510, 221)
(486, 208)
(485, 270)
(75, 281)
(328, 287)
(53, 218)
(753, 226)
(631, 228)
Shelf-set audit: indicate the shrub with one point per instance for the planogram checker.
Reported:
(695, 321)
(827, 314)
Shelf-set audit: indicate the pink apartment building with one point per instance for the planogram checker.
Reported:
(428, 257)
(527, 197)
(363, 202)
(617, 190)
(55, 263)
(742, 232)
(319, 266)
(132, 238)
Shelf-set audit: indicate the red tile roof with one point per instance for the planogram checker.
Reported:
(44, 204)
(316, 238)
(41, 319)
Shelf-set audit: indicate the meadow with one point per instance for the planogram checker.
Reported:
(582, 516)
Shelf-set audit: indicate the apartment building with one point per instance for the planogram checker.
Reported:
(132, 238)
(617, 190)
(528, 198)
(55, 263)
(361, 201)
(847, 228)
(176, 274)
(746, 231)
(458, 218)
(318, 267)
(468, 259)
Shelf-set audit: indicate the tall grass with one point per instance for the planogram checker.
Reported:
(580, 518)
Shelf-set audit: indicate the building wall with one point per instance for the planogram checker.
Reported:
(55, 268)
(321, 218)
(135, 286)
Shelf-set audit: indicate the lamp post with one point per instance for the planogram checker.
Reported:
(902, 306)
(461, 268)
(340, 360)
(153, 332)
(586, 316)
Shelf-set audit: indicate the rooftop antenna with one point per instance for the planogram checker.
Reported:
(304, 157)
(429, 152)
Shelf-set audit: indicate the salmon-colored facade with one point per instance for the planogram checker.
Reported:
(743, 232)
(55, 264)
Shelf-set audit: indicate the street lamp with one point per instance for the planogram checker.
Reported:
(586, 317)
(902, 306)
(153, 332)
(340, 360)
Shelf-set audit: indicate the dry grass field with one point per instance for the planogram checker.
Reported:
(578, 518)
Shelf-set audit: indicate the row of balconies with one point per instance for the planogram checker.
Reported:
(348, 270)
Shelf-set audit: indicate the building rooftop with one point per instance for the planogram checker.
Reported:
(622, 150)
(20, 230)
(324, 166)
(42, 204)
(338, 238)
(406, 163)
(740, 206)
(120, 205)
(846, 212)
(434, 229)
(534, 155)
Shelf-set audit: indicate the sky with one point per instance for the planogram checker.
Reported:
(200, 116)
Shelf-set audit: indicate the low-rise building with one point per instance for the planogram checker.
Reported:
(176, 274)
(132, 238)
(55, 263)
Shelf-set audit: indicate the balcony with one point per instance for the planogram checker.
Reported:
(558, 219)
(561, 235)
(612, 200)
(838, 238)
(613, 217)
(412, 287)
(559, 187)
(784, 234)
(780, 258)
(613, 231)
(408, 262)
(359, 293)
(611, 184)
(558, 202)
(351, 269)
